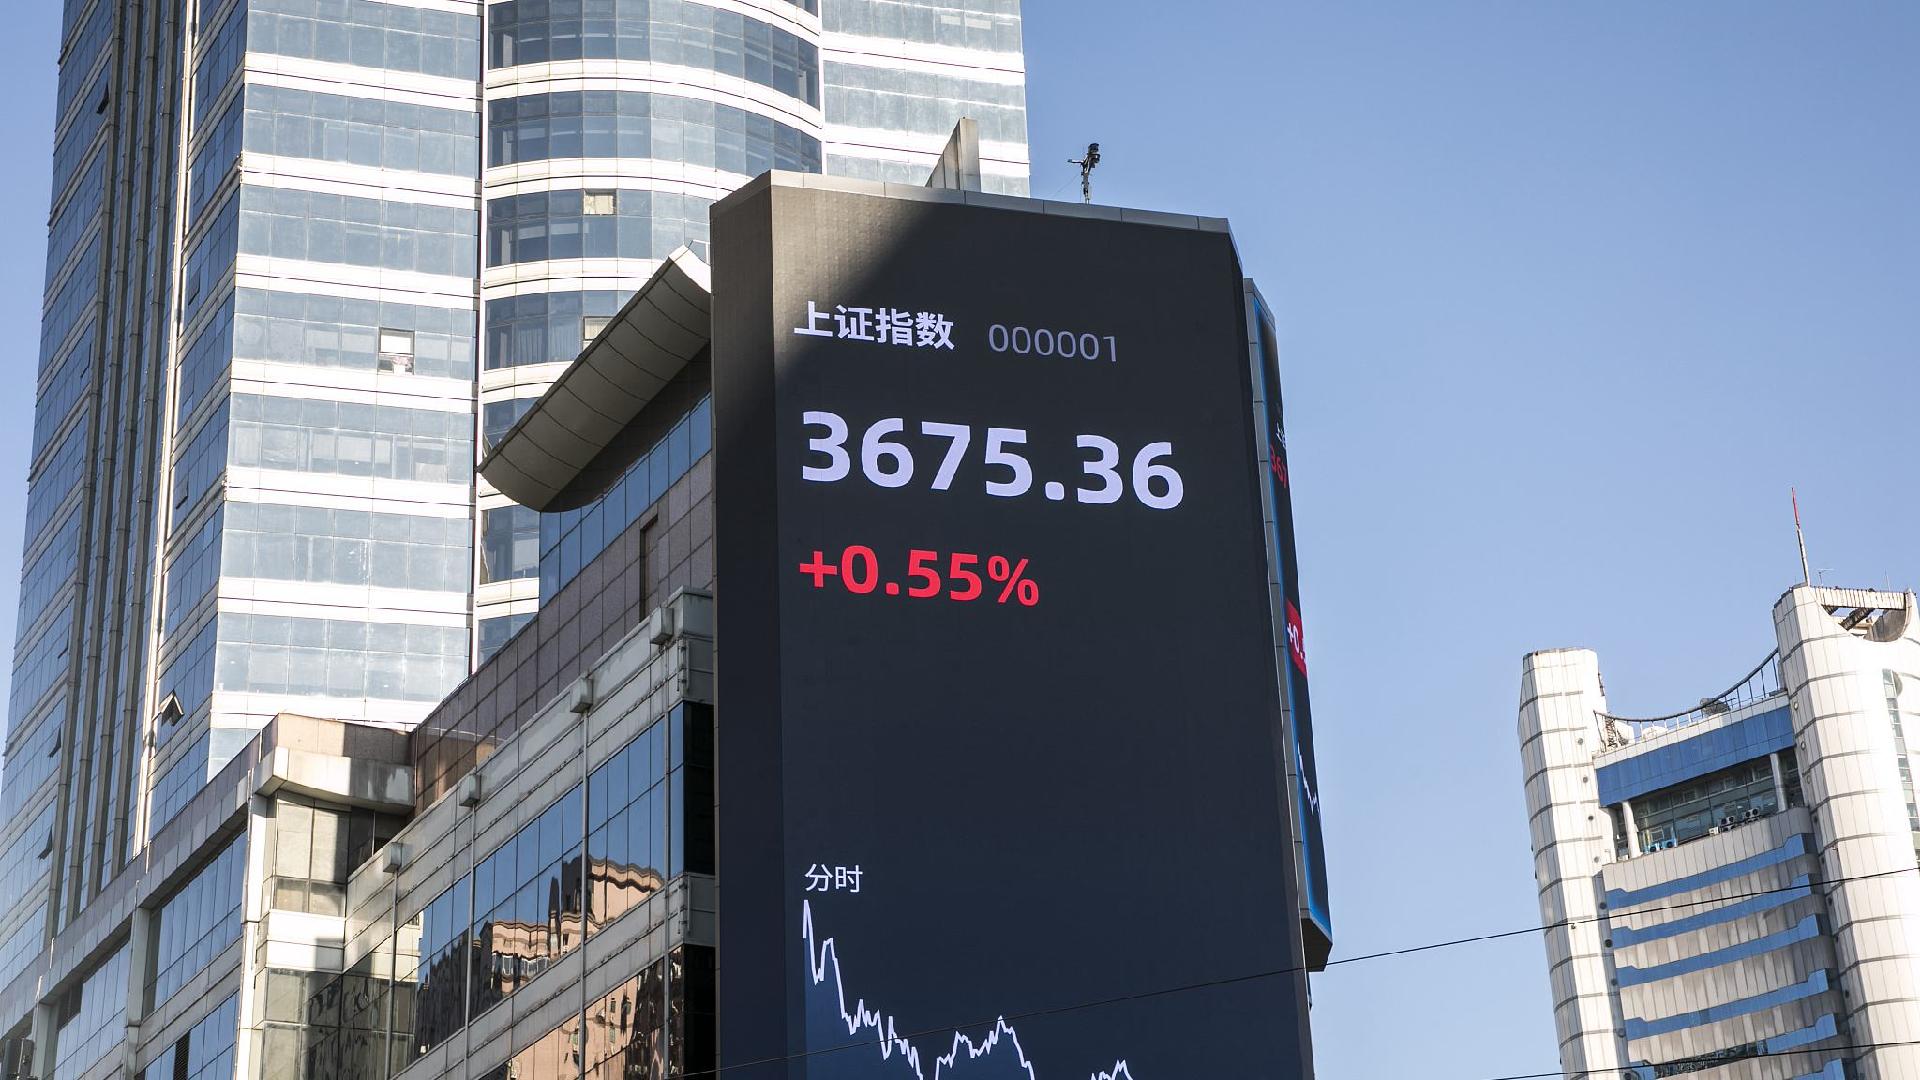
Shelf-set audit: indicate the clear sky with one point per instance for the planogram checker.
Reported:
(1570, 295)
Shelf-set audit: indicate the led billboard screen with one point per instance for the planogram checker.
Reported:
(1284, 557)
(1002, 783)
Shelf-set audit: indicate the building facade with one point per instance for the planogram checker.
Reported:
(305, 259)
(609, 133)
(1732, 890)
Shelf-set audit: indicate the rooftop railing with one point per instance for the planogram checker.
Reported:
(1758, 685)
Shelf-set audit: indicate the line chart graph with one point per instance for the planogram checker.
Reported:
(831, 1021)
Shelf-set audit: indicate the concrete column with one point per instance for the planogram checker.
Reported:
(1850, 775)
(1779, 780)
(46, 1019)
(253, 908)
(139, 973)
(1572, 835)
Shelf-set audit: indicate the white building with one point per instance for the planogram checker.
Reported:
(1733, 889)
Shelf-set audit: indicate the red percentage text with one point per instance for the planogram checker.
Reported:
(928, 575)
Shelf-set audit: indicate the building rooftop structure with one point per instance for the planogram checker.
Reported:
(1729, 887)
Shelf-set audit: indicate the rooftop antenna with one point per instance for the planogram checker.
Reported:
(1806, 575)
(1086, 170)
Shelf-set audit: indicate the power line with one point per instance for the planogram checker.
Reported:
(1609, 1074)
(1233, 980)
(1567, 923)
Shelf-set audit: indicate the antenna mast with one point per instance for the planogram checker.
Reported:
(1806, 574)
(1086, 170)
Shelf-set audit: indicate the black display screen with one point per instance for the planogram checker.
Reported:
(1002, 787)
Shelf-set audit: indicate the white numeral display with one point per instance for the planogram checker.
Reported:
(876, 451)
(961, 436)
(1101, 467)
(887, 461)
(834, 446)
(998, 439)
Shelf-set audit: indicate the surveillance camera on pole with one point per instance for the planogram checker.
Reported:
(1086, 170)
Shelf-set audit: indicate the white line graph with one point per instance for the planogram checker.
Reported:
(823, 963)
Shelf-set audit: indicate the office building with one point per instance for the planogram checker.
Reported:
(608, 136)
(1731, 889)
(305, 258)
(529, 884)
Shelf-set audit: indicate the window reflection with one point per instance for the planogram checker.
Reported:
(1710, 803)
(634, 124)
(663, 31)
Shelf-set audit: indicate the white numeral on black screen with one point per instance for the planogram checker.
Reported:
(1067, 344)
(887, 460)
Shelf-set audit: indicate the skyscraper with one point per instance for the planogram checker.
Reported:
(609, 134)
(1731, 889)
(305, 257)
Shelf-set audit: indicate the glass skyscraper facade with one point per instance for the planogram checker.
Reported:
(306, 258)
(613, 124)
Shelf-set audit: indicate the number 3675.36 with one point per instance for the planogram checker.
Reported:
(887, 460)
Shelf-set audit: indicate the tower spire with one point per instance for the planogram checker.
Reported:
(1806, 574)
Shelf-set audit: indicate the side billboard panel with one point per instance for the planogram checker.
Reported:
(1283, 557)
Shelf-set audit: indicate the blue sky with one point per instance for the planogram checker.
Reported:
(1570, 295)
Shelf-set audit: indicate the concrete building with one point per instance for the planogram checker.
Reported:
(1733, 888)
(305, 258)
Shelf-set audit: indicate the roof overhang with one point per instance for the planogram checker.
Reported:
(661, 330)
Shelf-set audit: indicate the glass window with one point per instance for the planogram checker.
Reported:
(894, 99)
(665, 31)
(178, 783)
(192, 572)
(24, 861)
(396, 351)
(91, 1019)
(498, 418)
(30, 765)
(574, 538)
(73, 304)
(1706, 805)
(286, 122)
(78, 62)
(527, 903)
(509, 543)
(277, 654)
(205, 1053)
(393, 36)
(346, 547)
(496, 632)
(352, 439)
(331, 331)
(287, 223)
(542, 328)
(46, 577)
(25, 941)
(591, 327)
(197, 923)
(361, 1022)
